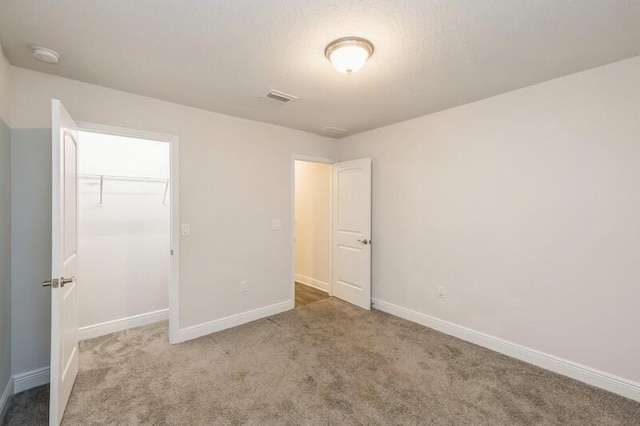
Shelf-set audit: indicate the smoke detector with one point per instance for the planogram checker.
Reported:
(276, 95)
(45, 55)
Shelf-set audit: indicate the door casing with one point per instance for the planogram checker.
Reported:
(174, 221)
(294, 158)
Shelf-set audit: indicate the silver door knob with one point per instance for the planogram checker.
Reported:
(365, 241)
(64, 281)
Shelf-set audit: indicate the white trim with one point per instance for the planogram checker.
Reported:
(301, 157)
(174, 263)
(5, 398)
(108, 327)
(312, 282)
(31, 379)
(583, 373)
(84, 126)
(200, 330)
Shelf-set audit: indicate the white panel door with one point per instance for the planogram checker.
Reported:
(351, 254)
(64, 261)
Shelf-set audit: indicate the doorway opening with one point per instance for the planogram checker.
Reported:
(331, 228)
(124, 232)
(312, 231)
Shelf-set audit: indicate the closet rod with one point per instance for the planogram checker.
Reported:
(122, 178)
(102, 178)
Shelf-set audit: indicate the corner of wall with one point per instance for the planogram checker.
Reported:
(5, 398)
(6, 380)
(5, 87)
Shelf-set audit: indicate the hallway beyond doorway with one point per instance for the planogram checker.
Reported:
(306, 294)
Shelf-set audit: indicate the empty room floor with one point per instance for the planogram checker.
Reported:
(306, 294)
(325, 363)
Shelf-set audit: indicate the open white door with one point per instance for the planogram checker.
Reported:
(64, 260)
(351, 252)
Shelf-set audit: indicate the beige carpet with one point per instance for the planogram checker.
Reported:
(325, 363)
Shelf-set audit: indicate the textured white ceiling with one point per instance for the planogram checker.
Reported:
(224, 55)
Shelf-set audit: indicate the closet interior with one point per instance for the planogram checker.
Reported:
(123, 232)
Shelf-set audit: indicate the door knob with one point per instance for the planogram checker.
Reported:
(53, 283)
(64, 281)
(365, 241)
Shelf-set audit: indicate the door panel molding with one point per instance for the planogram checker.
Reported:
(64, 243)
(351, 232)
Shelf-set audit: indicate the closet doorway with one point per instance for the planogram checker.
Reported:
(312, 231)
(125, 211)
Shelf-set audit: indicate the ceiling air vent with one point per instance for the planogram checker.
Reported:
(280, 96)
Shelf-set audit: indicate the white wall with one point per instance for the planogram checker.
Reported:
(235, 178)
(526, 208)
(312, 223)
(5, 232)
(123, 268)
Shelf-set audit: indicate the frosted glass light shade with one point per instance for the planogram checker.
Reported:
(349, 54)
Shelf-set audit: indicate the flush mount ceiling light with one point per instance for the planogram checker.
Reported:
(45, 55)
(348, 54)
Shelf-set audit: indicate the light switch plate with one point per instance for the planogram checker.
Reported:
(186, 229)
(276, 224)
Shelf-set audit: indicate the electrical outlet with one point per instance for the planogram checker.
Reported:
(441, 292)
(244, 286)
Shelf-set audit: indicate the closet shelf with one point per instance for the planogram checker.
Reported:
(103, 178)
(122, 178)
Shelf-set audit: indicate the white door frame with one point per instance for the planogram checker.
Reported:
(174, 221)
(300, 157)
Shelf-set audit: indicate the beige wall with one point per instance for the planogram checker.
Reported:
(312, 223)
(5, 87)
(526, 208)
(235, 178)
(5, 229)
(523, 206)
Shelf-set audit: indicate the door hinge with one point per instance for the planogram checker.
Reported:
(171, 252)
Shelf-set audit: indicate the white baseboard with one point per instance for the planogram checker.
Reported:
(5, 398)
(97, 330)
(30, 379)
(200, 330)
(591, 376)
(312, 282)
